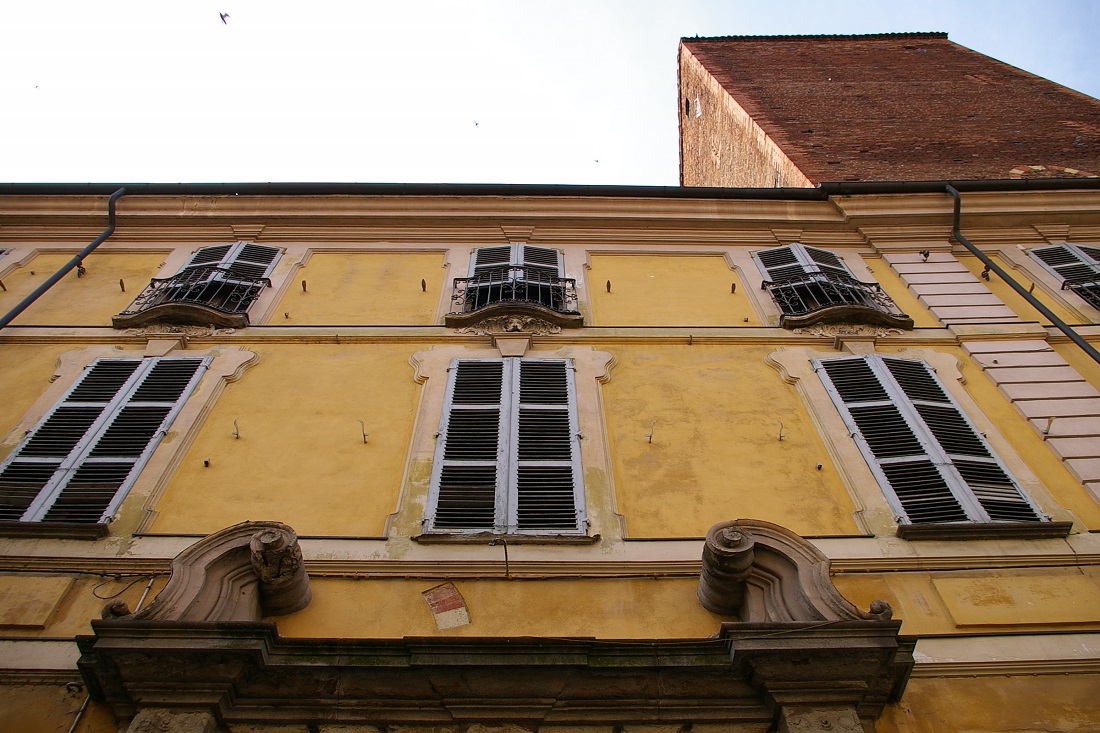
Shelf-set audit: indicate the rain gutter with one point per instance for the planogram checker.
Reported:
(74, 262)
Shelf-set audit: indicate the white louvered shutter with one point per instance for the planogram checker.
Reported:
(517, 255)
(931, 461)
(507, 458)
(797, 261)
(76, 465)
(243, 260)
(544, 495)
(469, 458)
(1071, 262)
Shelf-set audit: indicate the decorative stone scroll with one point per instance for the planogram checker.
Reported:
(242, 573)
(762, 572)
(519, 324)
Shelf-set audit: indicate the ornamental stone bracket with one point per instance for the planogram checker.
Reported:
(824, 664)
(241, 573)
(762, 572)
(800, 659)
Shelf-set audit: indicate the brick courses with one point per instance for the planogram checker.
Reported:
(910, 106)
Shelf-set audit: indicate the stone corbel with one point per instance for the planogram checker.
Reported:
(241, 573)
(762, 572)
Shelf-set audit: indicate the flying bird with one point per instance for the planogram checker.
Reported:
(223, 17)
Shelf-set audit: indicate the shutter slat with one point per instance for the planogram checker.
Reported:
(923, 492)
(952, 431)
(20, 484)
(916, 380)
(545, 498)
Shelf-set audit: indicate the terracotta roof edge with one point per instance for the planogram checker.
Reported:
(915, 34)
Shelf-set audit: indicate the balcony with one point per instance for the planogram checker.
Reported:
(1087, 288)
(516, 290)
(833, 297)
(200, 296)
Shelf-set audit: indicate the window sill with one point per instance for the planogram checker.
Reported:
(489, 538)
(985, 531)
(55, 530)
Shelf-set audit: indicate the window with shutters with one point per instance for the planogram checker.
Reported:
(1076, 265)
(76, 465)
(507, 457)
(811, 285)
(515, 278)
(933, 465)
(216, 287)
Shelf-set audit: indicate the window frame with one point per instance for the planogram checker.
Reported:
(507, 493)
(80, 455)
(933, 452)
(819, 287)
(1080, 256)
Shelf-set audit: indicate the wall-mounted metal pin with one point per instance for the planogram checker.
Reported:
(609, 286)
(206, 463)
(122, 285)
(649, 435)
(1032, 288)
(286, 314)
(304, 286)
(423, 285)
(733, 288)
(236, 430)
(781, 430)
(363, 429)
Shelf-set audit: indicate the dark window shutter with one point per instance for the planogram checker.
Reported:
(244, 260)
(507, 458)
(781, 264)
(1069, 262)
(469, 450)
(921, 444)
(253, 261)
(542, 259)
(95, 440)
(895, 450)
(209, 256)
(545, 495)
(487, 259)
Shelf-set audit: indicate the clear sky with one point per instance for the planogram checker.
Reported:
(451, 91)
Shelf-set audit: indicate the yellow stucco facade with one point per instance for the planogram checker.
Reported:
(692, 404)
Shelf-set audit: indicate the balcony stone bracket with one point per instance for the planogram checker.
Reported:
(241, 573)
(759, 571)
(825, 665)
(195, 661)
(182, 314)
(514, 317)
(855, 314)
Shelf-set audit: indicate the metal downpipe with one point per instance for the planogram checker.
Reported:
(52, 280)
(1029, 297)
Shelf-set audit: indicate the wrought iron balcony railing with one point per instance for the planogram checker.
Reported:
(1087, 287)
(214, 288)
(824, 293)
(520, 285)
